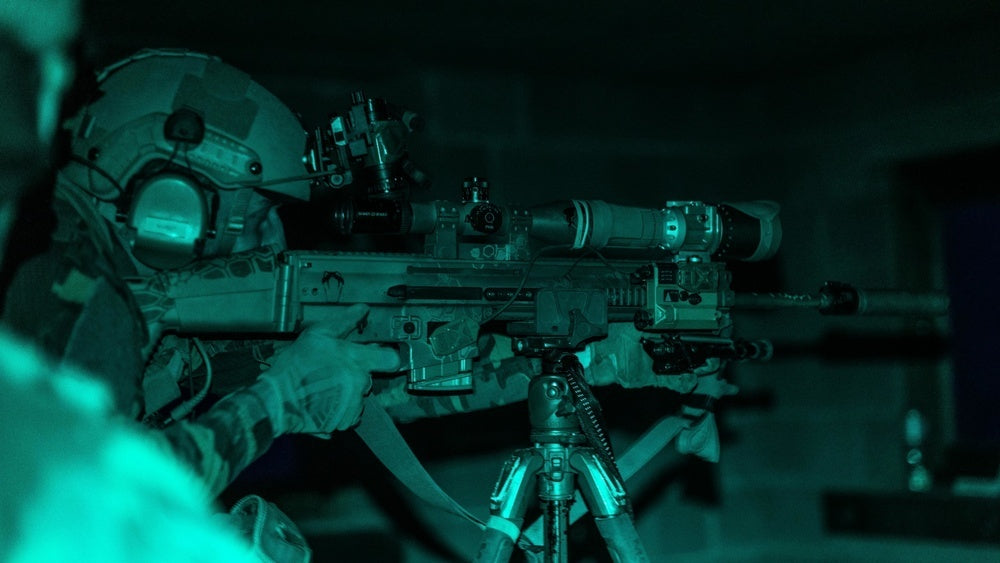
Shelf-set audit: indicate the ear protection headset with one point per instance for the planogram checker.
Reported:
(176, 144)
(166, 209)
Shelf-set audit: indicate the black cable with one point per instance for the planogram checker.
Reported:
(524, 281)
(187, 160)
(102, 172)
(285, 180)
(170, 160)
(591, 418)
(591, 250)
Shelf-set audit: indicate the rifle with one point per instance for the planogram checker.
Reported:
(483, 271)
(672, 285)
(539, 274)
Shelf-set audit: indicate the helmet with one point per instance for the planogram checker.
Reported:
(188, 155)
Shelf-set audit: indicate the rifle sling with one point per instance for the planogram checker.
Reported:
(380, 434)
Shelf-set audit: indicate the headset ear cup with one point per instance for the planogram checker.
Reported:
(169, 220)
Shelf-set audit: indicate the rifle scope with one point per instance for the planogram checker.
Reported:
(748, 231)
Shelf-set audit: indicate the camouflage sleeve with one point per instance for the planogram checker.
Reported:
(223, 441)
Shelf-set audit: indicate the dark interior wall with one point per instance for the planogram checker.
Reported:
(539, 138)
(816, 109)
(845, 132)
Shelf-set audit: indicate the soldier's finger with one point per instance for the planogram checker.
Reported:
(383, 358)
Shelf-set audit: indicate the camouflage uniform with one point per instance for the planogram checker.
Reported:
(225, 440)
(74, 478)
(72, 302)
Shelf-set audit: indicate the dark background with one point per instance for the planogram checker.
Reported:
(875, 124)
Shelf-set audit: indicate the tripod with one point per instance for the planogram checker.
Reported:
(570, 450)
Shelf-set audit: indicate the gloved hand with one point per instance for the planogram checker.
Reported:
(317, 384)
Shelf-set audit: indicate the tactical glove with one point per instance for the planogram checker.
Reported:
(316, 385)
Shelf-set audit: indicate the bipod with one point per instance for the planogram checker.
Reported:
(570, 451)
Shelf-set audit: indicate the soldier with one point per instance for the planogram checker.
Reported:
(78, 484)
(181, 149)
(179, 157)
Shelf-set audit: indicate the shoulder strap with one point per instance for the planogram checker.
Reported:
(382, 437)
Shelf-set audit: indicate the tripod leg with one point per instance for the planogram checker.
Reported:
(556, 528)
(495, 547)
(605, 495)
(507, 505)
(622, 540)
(556, 486)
